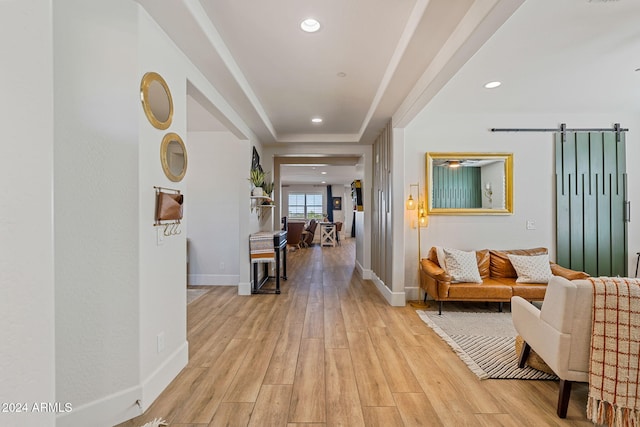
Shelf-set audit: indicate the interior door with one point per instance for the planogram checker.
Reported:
(592, 209)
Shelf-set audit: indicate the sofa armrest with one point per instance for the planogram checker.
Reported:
(433, 270)
(567, 273)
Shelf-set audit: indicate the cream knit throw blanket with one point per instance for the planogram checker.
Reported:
(614, 372)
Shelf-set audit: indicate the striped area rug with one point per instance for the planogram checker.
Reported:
(484, 341)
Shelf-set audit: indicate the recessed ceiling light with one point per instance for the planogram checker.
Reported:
(492, 85)
(341, 74)
(323, 182)
(323, 173)
(310, 25)
(316, 120)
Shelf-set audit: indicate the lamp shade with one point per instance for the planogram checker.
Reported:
(411, 204)
(423, 220)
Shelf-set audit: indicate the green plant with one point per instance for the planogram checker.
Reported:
(268, 187)
(256, 176)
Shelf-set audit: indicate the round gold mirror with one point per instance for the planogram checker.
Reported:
(156, 100)
(173, 155)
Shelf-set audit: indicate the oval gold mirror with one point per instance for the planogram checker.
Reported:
(173, 155)
(156, 100)
(469, 183)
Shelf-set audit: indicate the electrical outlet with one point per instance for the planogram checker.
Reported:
(221, 265)
(160, 238)
(160, 338)
(531, 225)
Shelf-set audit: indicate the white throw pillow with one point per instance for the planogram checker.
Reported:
(440, 255)
(462, 266)
(531, 268)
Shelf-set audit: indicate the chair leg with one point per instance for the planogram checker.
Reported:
(500, 307)
(440, 308)
(524, 354)
(563, 397)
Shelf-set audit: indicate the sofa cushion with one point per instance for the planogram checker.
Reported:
(530, 292)
(531, 268)
(488, 290)
(462, 266)
(501, 266)
(484, 262)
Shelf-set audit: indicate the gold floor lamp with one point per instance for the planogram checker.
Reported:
(422, 221)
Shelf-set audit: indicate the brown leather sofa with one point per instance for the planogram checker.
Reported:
(498, 279)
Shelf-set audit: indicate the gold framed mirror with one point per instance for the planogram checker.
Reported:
(469, 183)
(173, 155)
(156, 100)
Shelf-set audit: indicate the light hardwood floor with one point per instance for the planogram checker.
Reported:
(330, 351)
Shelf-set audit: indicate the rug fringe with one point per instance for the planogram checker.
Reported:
(473, 366)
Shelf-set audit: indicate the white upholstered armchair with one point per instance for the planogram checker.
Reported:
(560, 333)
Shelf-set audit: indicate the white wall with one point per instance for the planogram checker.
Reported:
(215, 183)
(534, 182)
(163, 268)
(120, 291)
(96, 209)
(27, 364)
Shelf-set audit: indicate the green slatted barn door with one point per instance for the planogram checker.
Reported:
(591, 202)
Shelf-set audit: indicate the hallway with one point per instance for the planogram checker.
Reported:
(330, 351)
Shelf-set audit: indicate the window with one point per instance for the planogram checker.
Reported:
(305, 206)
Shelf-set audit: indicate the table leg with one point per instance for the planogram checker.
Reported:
(278, 271)
(284, 262)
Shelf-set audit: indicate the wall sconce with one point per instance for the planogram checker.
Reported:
(422, 221)
(488, 192)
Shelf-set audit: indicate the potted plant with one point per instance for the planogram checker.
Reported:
(268, 188)
(256, 177)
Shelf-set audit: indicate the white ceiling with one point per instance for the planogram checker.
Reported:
(400, 55)
(333, 174)
(562, 56)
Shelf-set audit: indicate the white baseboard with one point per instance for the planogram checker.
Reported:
(244, 288)
(365, 273)
(213, 279)
(412, 293)
(121, 406)
(155, 383)
(110, 410)
(396, 299)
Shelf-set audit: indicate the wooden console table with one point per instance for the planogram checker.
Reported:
(266, 247)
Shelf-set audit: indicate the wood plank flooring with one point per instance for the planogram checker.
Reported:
(330, 351)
